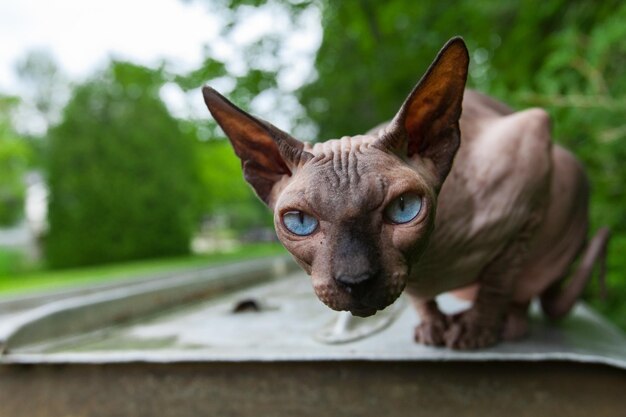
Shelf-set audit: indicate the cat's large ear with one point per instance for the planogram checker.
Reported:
(267, 153)
(427, 124)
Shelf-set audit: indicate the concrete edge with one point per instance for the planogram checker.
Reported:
(180, 357)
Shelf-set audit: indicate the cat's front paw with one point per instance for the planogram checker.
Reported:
(431, 331)
(467, 331)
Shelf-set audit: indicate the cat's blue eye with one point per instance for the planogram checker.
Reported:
(299, 223)
(404, 208)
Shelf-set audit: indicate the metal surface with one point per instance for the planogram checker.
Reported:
(285, 329)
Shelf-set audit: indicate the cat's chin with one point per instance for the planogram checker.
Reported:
(363, 312)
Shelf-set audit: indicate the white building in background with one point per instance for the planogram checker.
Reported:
(25, 236)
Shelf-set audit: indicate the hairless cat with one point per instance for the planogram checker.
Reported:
(458, 193)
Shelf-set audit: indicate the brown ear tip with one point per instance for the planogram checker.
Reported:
(208, 93)
(458, 40)
(457, 43)
(456, 48)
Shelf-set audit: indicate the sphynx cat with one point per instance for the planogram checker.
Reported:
(457, 193)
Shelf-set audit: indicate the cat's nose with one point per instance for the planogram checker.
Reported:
(354, 283)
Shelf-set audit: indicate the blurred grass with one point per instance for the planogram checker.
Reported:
(15, 278)
(9, 261)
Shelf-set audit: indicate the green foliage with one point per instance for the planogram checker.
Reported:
(120, 173)
(14, 162)
(225, 194)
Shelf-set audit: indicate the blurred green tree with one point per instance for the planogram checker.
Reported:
(225, 193)
(120, 172)
(15, 154)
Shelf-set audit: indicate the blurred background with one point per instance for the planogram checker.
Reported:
(110, 165)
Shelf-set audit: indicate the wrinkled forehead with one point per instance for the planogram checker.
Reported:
(346, 144)
(349, 175)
